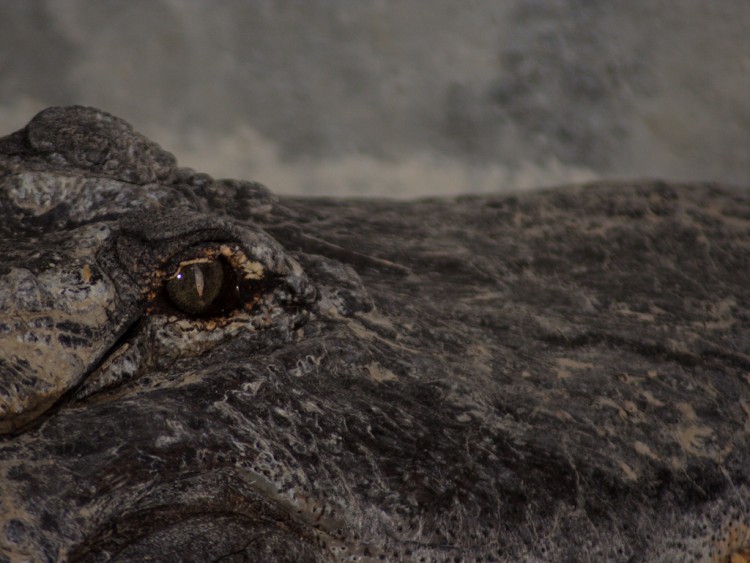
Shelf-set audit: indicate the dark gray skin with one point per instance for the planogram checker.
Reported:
(557, 376)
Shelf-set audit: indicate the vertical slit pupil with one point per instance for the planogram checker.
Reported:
(203, 288)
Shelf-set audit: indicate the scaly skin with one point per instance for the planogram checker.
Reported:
(556, 376)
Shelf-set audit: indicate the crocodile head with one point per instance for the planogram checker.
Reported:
(193, 368)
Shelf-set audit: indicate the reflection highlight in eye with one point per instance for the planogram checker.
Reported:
(203, 286)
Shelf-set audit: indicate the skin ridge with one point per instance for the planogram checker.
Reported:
(555, 375)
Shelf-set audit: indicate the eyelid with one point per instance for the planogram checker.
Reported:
(201, 260)
(245, 267)
(178, 265)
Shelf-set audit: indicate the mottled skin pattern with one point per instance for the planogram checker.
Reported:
(559, 376)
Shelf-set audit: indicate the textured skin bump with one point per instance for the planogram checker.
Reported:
(78, 139)
(554, 376)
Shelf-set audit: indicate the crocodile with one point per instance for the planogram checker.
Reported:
(196, 369)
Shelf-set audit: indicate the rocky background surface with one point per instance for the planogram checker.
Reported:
(400, 99)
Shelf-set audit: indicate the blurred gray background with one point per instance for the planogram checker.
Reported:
(400, 98)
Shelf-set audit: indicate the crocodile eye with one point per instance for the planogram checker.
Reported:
(203, 287)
